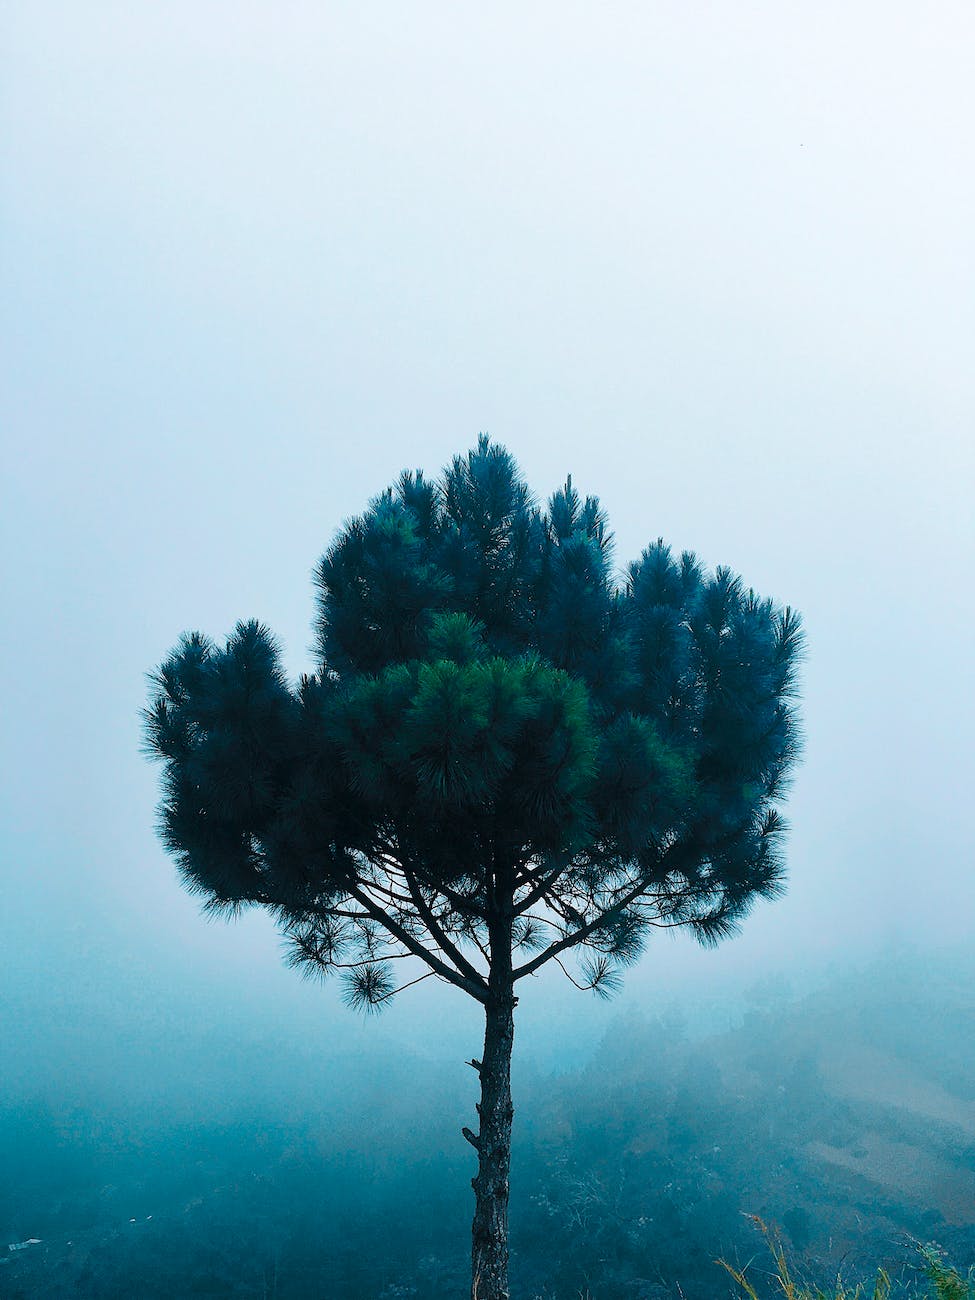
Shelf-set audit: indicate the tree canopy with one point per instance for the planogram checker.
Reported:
(499, 725)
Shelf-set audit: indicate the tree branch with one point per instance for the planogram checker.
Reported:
(472, 1138)
(476, 989)
(583, 988)
(419, 980)
(438, 934)
(578, 936)
(540, 890)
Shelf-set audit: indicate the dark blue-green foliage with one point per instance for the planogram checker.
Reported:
(501, 729)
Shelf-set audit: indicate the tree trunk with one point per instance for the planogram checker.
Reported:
(489, 1255)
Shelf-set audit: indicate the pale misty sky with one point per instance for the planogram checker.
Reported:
(715, 260)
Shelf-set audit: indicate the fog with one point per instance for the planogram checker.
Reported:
(714, 261)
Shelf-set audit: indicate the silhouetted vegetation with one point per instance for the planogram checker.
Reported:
(943, 1281)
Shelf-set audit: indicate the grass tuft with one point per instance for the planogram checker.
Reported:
(947, 1282)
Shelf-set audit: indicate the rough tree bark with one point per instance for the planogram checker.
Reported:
(489, 1253)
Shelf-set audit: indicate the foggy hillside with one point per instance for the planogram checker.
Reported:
(845, 1114)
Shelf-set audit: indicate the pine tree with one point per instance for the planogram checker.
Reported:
(507, 756)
